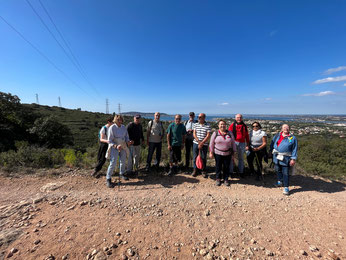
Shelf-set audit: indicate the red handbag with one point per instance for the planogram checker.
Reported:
(199, 161)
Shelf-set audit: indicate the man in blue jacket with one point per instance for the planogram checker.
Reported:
(284, 147)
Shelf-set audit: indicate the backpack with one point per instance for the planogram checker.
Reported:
(227, 133)
(151, 125)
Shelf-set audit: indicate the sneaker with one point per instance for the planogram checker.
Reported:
(204, 174)
(286, 191)
(125, 178)
(194, 173)
(110, 184)
(279, 184)
(218, 182)
(227, 183)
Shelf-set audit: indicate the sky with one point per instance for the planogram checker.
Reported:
(176, 56)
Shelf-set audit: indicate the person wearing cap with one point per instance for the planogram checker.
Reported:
(189, 138)
(135, 131)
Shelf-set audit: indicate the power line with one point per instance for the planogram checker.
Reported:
(44, 56)
(80, 68)
(56, 40)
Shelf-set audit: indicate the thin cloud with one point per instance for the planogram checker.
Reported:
(344, 84)
(330, 79)
(224, 104)
(268, 99)
(321, 94)
(333, 70)
(272, 33)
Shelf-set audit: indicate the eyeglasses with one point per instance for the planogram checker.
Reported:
(200, 117)
(255, 126)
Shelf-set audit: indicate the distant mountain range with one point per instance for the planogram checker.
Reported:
(133, 113)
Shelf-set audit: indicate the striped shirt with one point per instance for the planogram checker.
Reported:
(201, 132)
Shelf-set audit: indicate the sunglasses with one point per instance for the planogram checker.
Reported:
(255, 126)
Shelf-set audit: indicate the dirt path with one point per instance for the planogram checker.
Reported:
(73, 216)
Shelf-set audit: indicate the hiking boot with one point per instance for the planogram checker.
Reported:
(286, 191)
(258, 177)
(110, 184)
(279, 184)
(204, 174)
(94, 174)
(124, 177)
(194, 173)
(218, 182)
(227, 183)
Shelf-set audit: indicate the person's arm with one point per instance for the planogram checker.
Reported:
(111, 137)
(142, 136)
(195, 135)
(247, 138)
(263, 145)
(200, 145)
(294, 152)
(212, 143)
(168, 136)
(184, 137)
(148, 133)
(103, 138)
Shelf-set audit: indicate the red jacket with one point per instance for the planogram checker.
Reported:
(242, 133)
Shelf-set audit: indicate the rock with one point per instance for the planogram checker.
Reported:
(203, 252)
(313, 248)
(302, 252)
(210, 256)
(207, 213)
(105, 248)
(94, 252)
(127, 231)
(7, 236)
(53, 202)
(51, 186)
(65, 257)
(109, 252)
(253, 241)
(14, 250)
(124, 257)
(35, 230)
(333, 256)
(83, 203)
(130, 252)
(71, 208)
(38, 199)
(100, 256)
(50, 257)
(118, 234)
(318, 254)
(36, 242)
(269, 253)
(9, 255)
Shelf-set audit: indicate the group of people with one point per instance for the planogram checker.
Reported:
(224, 145)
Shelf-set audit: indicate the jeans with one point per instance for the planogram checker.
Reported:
(101, 156)
(134, 157)
(257, 157)
(188, 146)
(204, 152)
(222, 163)
(283, 174)
(152, 147)
(240, 152)
(114, 160)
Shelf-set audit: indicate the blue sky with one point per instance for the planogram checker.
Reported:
(251, 57)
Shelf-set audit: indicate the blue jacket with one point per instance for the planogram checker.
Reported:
(288, 145)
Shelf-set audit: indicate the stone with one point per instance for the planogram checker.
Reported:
(14, 250)
(9, 255)
(36, 242)
(333, 256)
(313, 248)
(130, 252)
(269, 253)
(65, 257)
(50, 257)
(203, 252)
(51, 186)
(124, 257)
(7, 236)
(100, 256)
(302, 252)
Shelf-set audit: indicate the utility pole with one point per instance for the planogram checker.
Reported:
(119, 109)
(107, 106)
(59, 102)
(37, 100)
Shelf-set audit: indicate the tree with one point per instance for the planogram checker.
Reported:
(51, 133)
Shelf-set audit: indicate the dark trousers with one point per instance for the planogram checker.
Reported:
(257, 157)
(204, 152)
(222, 164)
(152, 148)
(101, 156)
(188, 146)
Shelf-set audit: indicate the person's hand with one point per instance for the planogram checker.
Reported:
(200, 145)
(169, 147)
(255, 149)
(130, 142)
(211, 155)
(292, 162)
(119, 147)
(247, 148)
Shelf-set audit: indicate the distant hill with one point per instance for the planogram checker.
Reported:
(145, 114)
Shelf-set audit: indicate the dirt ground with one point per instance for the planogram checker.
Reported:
(70, 215)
